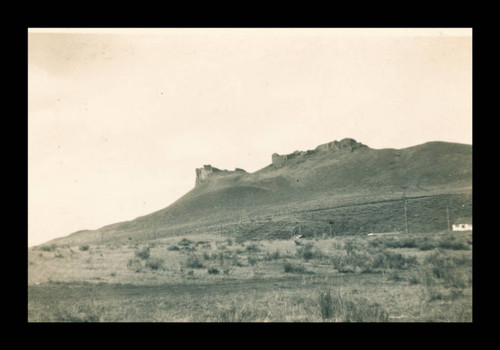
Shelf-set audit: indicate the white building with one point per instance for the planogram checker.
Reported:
(462, 227)
(462, 224)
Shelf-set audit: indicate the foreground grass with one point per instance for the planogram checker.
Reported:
(340, 279)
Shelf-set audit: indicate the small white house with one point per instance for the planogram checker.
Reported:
(462, 227)
(462, 224)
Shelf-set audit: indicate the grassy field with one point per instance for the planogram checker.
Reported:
(420, 277)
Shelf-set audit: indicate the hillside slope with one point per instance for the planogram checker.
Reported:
(345, 176)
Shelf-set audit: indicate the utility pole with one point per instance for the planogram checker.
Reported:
(448, 218)
(406, 214)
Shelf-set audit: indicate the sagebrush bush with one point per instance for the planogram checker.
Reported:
(325, 302)
(135, 265)
(213, 271)
(340, 308)
(155, 263)
(452, 245)
(84, 247)
(241, 314)
(425, 245)
(236, 261)
(366, 263)
(362, 310)
(294, 268)
(79, 313)
(349, 246)
(185, 242)
(252, 248)
(143, 254)
(173, 248)
(403, 242)
(252, 260)
(193, 262)
(272, 256)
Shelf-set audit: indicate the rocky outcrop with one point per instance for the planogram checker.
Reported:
(279, 160)
(203, 173)
(346, 144)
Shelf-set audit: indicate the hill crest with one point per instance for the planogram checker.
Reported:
(334, 174)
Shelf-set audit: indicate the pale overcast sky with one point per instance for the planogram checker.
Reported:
(118, 120)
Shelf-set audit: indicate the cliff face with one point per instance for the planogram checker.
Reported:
(202, 173)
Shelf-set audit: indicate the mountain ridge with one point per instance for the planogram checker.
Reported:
(335, 172)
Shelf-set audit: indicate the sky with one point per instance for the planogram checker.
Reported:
(118, 119)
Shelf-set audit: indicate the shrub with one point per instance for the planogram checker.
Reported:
(240, 314)
(425, 246)
(252, 248)
(135, 265)
(349, 246)
(394, 276)
(398, 261)
(403, 242)
(345, 309)
(143, 254)
(221, 258)
(340, 263)
(252, 260)
(194, 262)
(236, 261)
(213, 271)
(362, 310)
(450, 244)
(79, 313)
(325, 302)
(173, 248)
(272, 256)
(440, 264)
(305, 252)
(155, 263)
(367, 263)
(84, 247)
(413, 279)
(185, 242)
(294, 268)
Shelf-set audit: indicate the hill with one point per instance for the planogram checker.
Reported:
(342, 187)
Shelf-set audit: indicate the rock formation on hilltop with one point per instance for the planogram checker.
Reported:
(334, 146)
(203, 173)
